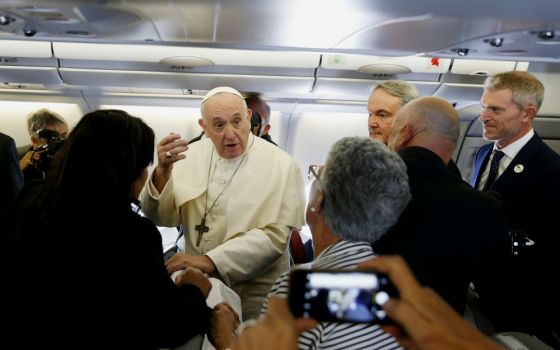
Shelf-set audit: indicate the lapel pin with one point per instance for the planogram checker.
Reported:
(518, 168)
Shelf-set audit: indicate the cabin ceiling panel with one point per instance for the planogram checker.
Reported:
(376, 27)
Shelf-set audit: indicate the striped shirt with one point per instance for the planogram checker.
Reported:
(343, 255)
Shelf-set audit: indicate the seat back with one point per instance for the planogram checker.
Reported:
(547, 128)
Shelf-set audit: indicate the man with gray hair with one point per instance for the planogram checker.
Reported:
(450, 234)
(354, 199)
(36, 160)
(384, 102)
(237, 214)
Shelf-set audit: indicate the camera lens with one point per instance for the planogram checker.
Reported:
(29, 31)
(5, 20)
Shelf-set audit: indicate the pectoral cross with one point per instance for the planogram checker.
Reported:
(201, 229)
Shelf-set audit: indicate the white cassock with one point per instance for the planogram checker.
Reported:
(250, 222)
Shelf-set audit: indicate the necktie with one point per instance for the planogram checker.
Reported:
(494, 165)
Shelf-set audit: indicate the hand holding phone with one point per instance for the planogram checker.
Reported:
(170, 252)
(340, 296)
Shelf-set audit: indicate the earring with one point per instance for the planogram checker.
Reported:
(312, 209)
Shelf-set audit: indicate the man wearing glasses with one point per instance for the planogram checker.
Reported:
(353, 200)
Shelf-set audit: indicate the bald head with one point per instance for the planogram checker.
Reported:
(429, 122)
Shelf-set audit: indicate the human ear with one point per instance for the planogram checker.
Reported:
(202, 124)
(266, 128)
(530, 112)
(318, 201)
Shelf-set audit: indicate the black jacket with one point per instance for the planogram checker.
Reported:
(11, 178)
(530, 187)
(95, 278)
(450, 234)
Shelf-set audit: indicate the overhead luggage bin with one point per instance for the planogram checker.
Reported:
(180, 67)
(360, 89)
(195, 81)
(355, 75)
(485, 67)
(386, 65)
(185, 55)
(47, 76)
(25, 48)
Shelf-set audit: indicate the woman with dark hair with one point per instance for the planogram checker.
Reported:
(87, 270)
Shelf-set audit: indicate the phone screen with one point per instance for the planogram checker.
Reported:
(340, 296)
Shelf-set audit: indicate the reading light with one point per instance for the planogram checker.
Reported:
(546, 34)
(29, 30)
(495, 42)
(5, 20)
(462, 52)
(187, 61)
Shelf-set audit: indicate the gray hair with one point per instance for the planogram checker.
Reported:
(41, 119)
(401, 89)
(366, 189)
(526, 89)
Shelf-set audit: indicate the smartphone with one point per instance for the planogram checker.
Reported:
(340, 296)
(170, 252)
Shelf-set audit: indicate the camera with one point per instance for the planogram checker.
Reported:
(29, 30)
(256, 123)
(47, 151)
(340, 296)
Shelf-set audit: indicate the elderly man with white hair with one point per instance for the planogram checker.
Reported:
(236, 195)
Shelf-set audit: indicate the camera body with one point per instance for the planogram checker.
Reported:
(48, 150)
(256, 123)
(340, 296)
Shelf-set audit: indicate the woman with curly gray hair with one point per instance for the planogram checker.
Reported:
(354, 199)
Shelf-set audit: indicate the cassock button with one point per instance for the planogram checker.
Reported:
(518, 168)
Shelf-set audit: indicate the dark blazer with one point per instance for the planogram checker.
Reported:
(91, 279)
(533, 205)
(11, 178)
(450, 234)
(269, 139)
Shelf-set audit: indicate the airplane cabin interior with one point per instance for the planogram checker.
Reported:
(314, 62)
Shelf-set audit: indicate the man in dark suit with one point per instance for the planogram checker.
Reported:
(526, 173)
(11, 177)
(11, 182)
(450, 234)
